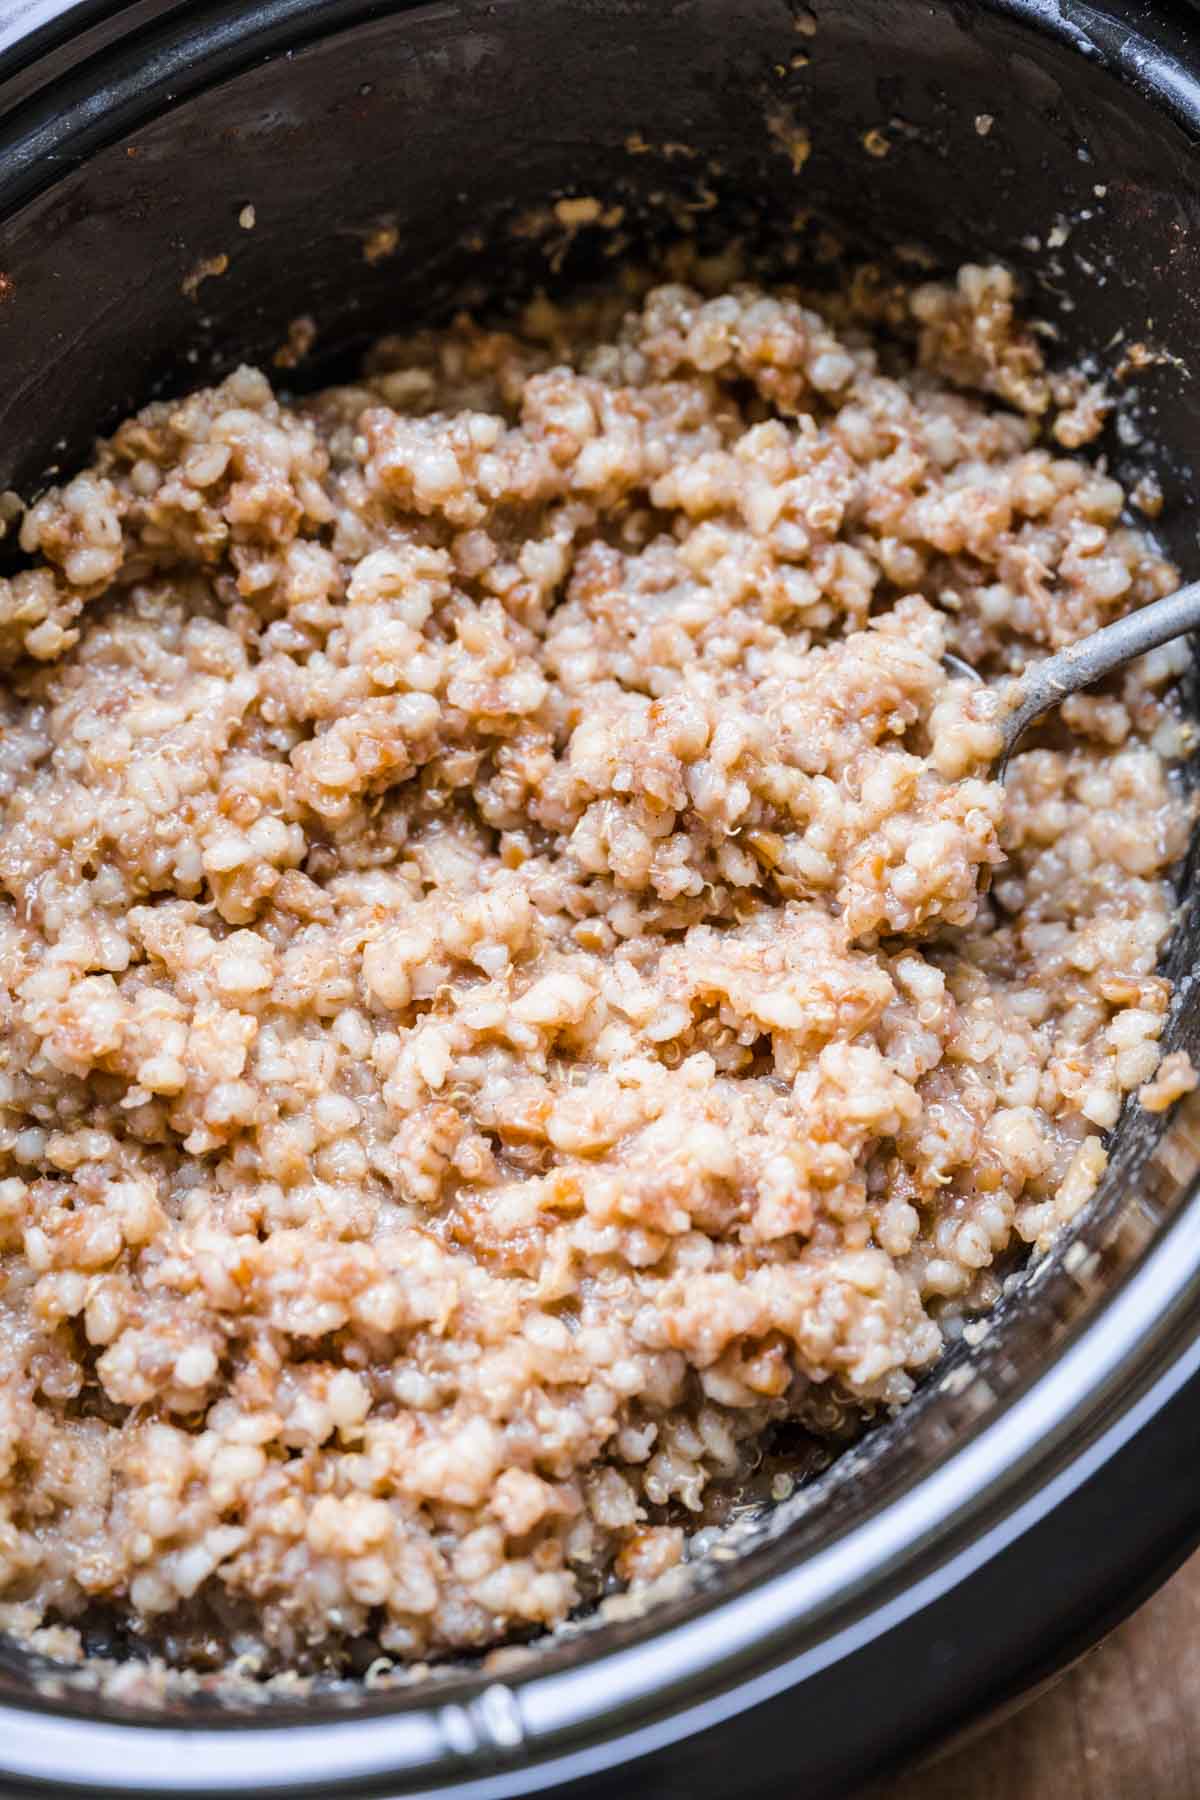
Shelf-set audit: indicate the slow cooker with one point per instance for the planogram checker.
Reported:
(398, 160)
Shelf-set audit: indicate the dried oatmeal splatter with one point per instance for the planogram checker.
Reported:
(381, 243)
(497, 1004)
(205, 270)
(792, 138)
(301, 336)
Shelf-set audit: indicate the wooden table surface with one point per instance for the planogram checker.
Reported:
(1123, 1725)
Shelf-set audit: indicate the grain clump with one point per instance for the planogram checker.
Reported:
(497, 1004)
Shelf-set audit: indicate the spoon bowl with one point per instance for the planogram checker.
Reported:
(1045, 684)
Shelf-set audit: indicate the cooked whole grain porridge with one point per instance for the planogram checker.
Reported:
(498, 1006)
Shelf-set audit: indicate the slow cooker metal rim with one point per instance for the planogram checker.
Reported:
(1129, 1360)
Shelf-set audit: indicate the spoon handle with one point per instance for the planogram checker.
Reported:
(1046, 683)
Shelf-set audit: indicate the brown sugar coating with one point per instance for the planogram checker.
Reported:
(497, 1005)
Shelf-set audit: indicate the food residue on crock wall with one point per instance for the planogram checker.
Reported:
(301, 336)
(380, 242)
(207, 270)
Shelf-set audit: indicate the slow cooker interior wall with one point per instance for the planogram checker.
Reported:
(452, 124)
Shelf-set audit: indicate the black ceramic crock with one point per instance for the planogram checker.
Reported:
(397, 159)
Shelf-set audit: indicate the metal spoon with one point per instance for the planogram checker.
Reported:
(1044, 684)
